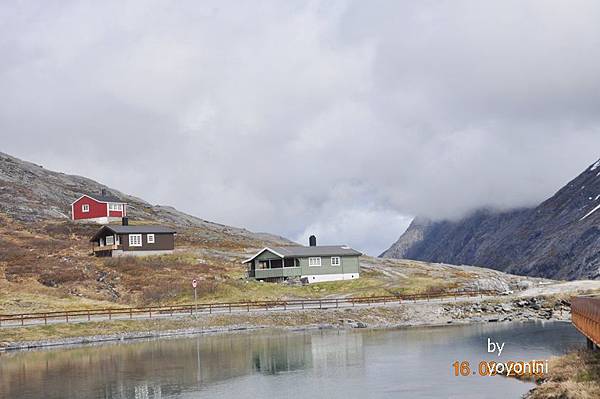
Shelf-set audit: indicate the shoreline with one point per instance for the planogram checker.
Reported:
(406, 315)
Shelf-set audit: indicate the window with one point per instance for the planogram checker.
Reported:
(263, 265)
(115, 207)
(85, 208)
(150, 238)
(316, 261)
(101, 242)
(135, 240)
(118, 239)
(110, 240)
(335, 261)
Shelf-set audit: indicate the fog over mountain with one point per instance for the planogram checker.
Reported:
(340, 118)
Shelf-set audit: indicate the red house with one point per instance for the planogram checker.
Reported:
(101, 208)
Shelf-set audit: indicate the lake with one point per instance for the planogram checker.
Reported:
(407, 363)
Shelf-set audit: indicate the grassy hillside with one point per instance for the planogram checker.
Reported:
(49, 265)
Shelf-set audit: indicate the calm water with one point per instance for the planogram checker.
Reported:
(408, 363)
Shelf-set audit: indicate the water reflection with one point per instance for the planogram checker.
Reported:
(157, 368)
(278, 364)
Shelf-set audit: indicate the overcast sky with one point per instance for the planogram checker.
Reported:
(340, 118)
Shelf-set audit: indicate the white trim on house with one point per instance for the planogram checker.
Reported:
(319, 278)
(115, 207)
(85, 208)
(148, 236)
(135, 240)
(338, 261)
(90, 197)
(111, 241)
(99, 219)
(315, 260)
(260, 252)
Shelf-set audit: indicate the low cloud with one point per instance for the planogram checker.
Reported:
(340, 118)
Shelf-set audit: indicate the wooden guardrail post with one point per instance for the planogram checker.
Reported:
(22, 320)
(67, 317)
(109, 314)
(130, 313)
(45, 319)
(320, 304)
(210, 308)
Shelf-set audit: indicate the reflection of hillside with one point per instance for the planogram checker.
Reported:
(280, 353)
(339, 349)
(166, 367)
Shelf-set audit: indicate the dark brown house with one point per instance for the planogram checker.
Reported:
(140, 240)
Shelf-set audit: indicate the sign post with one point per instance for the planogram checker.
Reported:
(195, 284)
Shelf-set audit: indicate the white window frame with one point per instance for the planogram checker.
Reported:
(111, 239)
(148, 236)
(135, 240)
(117, 239)
(314, 261)
(338, 261)
(115, 207)
(85, 208)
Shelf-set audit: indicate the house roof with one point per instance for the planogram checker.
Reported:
(105, 198)
(301, 251)
(101, 198)
(134, 229)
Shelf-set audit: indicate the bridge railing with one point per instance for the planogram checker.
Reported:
(585, 316)
(97, 314)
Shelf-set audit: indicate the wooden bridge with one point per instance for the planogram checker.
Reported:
(585, 316)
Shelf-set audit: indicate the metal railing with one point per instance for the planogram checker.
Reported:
(99, 314)
(585, 316)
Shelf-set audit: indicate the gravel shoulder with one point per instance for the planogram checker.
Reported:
(434, 313)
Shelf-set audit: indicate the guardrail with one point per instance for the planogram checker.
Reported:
(585, 316)
(228, 307)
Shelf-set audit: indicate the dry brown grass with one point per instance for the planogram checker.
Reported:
(573, 376)
(372, 316)
(52, 262)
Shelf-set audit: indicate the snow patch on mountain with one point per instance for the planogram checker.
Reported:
(590, 212)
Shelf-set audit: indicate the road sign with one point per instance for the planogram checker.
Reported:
(194, 283)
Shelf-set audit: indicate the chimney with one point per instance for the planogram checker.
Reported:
(312, 241)
(103, 192)
(125, 221)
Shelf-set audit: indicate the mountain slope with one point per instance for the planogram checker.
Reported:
(31, 193)
(46, 261)
(559, 238)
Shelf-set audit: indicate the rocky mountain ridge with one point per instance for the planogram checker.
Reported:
(559, 238)
(31, 193)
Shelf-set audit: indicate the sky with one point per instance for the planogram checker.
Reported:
(342, 119)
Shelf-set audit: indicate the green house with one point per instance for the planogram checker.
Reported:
(312, 264)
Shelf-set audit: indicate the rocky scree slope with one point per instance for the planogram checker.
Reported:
(31, 193)
(559, 238)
